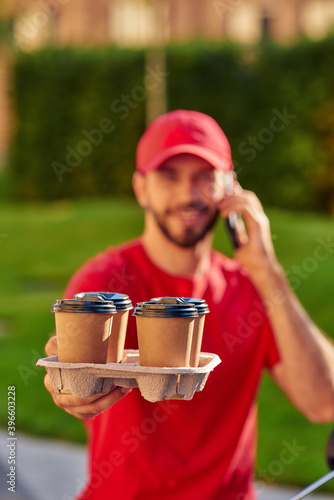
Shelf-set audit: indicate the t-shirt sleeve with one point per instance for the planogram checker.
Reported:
(81, 282)
(93, 276)
(267, 343)
(272, 355)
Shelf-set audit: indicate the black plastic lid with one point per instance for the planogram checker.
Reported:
(200, 304)
(122, 302)
(166, 307)
(88, 304)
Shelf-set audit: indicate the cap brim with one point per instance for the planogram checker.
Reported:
(220, 162)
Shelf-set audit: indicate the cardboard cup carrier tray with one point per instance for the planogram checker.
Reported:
(155, 383)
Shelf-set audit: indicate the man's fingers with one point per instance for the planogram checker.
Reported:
(89, 407)
(78, 407)
(100, 405)
(237, 189)
(248, 206)
(51, 346)
(241, 231)
(90, 410)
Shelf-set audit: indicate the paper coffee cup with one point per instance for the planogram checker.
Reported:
(83, 328)
(202, 309)
(165, 330)
(117, 337)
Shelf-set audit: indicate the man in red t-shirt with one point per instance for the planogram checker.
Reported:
(203, 449)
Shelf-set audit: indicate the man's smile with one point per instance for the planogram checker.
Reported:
(189, 215)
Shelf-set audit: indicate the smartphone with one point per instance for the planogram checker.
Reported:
(232, 219)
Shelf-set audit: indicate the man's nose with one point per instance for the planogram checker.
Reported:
(189, 191)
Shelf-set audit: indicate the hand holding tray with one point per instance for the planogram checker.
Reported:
(155, 383)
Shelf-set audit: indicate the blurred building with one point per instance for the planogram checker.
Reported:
(32, 24)
(135, 22)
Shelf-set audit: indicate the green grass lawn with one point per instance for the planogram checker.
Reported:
(41, 246)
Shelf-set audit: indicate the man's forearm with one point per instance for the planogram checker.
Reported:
(306, 369)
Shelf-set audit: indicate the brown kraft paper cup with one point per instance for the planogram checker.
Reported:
(164, 341)
(202, 309)
(165, 331)
(197, 340)
(83, 337)
(117, 337)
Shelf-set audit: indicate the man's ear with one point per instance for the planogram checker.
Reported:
(140, 188)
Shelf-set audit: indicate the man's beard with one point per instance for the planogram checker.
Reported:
(190, 236)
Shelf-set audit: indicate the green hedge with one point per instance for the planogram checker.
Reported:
(275, 104)
(69, 142)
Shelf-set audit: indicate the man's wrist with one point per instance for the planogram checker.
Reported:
(268, 278)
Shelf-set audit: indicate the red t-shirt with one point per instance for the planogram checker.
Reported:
(203, 449)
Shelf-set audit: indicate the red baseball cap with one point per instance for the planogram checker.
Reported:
(183, 131)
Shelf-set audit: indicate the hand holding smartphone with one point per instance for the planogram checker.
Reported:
(232, 219)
